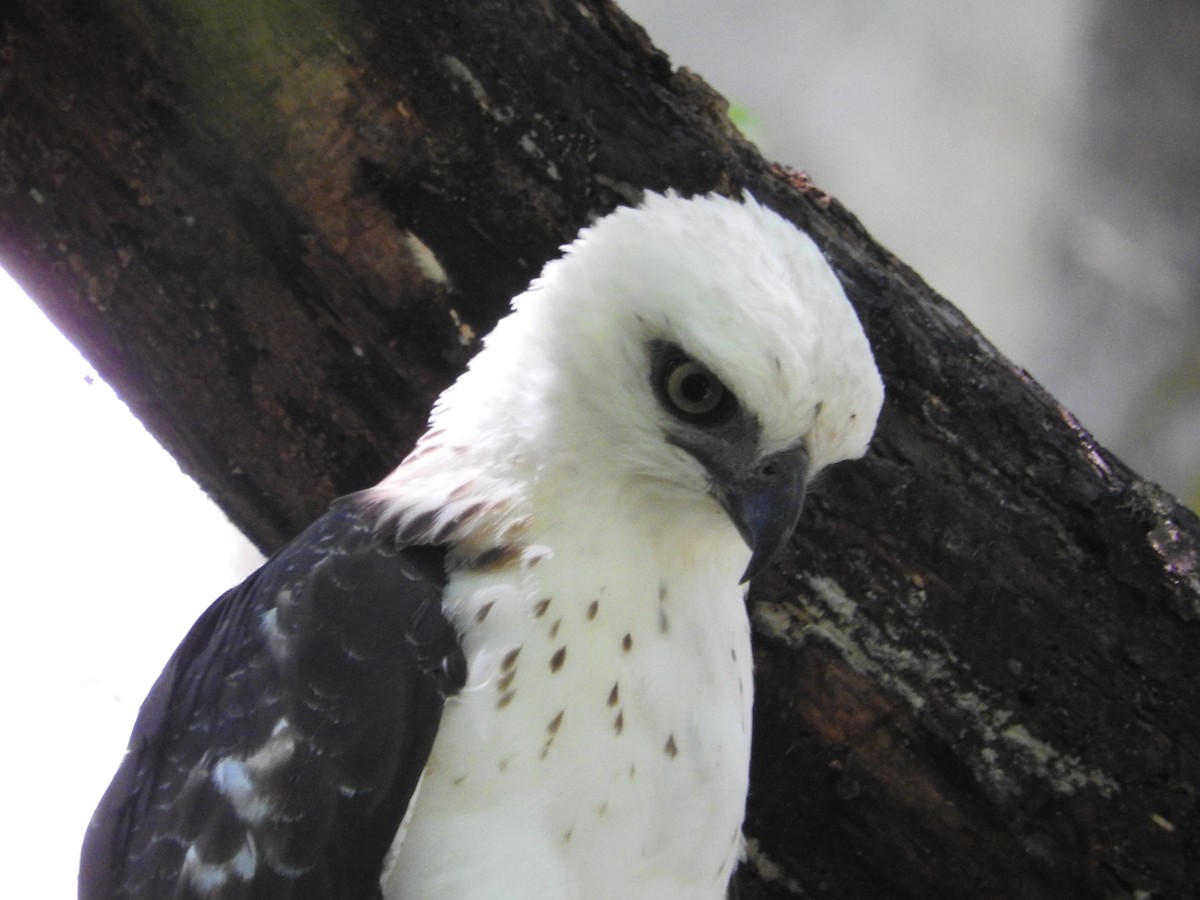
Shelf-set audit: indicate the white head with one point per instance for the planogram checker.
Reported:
(700, 345)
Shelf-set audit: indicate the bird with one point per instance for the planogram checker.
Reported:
(520, 665)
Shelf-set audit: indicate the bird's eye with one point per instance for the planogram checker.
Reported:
(688, 390)
(693, 390)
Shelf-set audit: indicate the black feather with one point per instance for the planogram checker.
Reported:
(355, 665)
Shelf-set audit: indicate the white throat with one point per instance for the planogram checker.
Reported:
(603, 737)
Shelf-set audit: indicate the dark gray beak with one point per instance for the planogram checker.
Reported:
(765, 504)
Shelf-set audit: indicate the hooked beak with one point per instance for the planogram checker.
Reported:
(765, 504)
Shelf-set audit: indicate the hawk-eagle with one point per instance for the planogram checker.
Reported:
(519, 667)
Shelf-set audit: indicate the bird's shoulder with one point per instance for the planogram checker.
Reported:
(278, 750)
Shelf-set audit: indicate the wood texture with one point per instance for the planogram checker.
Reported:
(278, 230)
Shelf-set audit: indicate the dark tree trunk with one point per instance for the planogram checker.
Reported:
(276, 228)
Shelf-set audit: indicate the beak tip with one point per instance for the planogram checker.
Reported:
(765, 510)
(753, 567)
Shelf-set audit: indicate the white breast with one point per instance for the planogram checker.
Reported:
(601, 746)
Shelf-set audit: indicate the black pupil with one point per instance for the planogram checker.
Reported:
(695, 388)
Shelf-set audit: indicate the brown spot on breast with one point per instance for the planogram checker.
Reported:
(662, 592)
(554, 628)
(500, 557)
(559, 657)
(627, 642)
(551, 731)
(510, 659)
(619, 722)
(614, 694)
(593, 608)
(567, 835)
(663, 625)
(539, 608)
(670, 749)
(483, 611)
(505, 681)
(505, 699)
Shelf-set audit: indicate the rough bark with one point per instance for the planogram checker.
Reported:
(276, 228)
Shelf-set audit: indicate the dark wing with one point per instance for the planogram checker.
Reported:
(276, 754)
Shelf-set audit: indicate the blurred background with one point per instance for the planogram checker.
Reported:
(1038, 162)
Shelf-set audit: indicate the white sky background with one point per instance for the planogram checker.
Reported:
(109, 554)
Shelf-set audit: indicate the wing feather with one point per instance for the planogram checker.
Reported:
(276, 754)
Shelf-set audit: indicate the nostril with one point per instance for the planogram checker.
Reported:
(769, 470)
